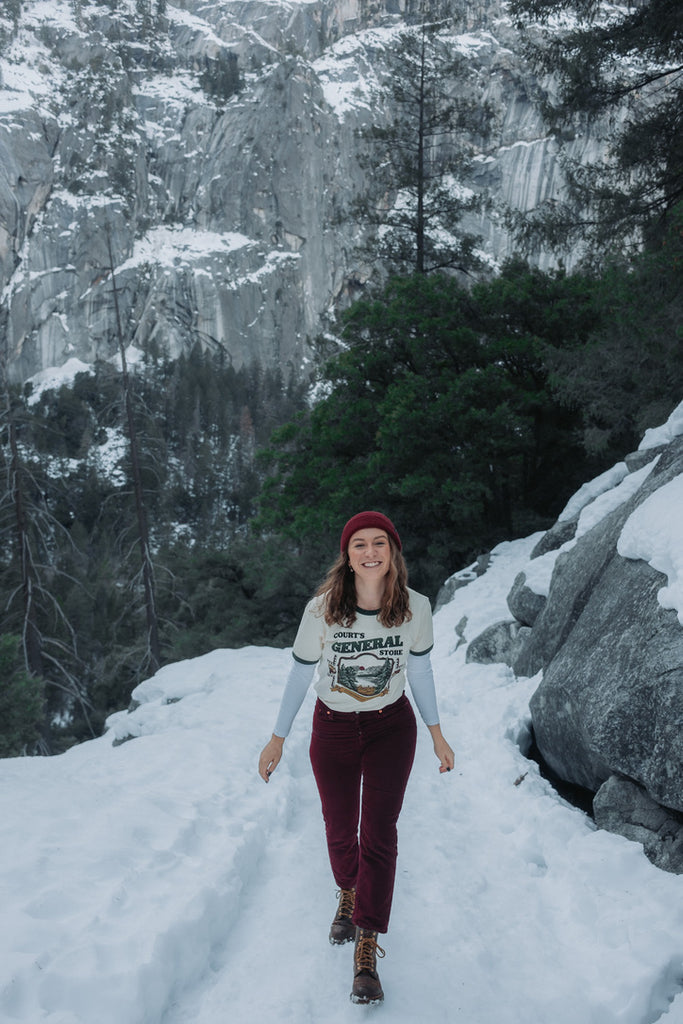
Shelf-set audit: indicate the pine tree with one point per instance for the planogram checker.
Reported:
(30, 574)
(418, 158)
(10, 14)
(438, 410)
(21, 702)
(146, 564)
(624, 65)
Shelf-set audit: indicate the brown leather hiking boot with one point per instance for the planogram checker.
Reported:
(342, 929)
(366, 985)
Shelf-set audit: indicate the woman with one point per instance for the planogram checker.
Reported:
(366, 631)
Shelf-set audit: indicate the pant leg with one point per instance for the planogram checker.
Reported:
(388, 751)
(336, 761)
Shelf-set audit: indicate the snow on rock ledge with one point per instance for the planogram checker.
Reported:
(608, 641)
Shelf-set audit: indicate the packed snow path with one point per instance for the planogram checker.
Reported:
(161, 882)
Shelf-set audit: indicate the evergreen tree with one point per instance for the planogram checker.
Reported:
(143, 12)
(153, 655)
(198, 421)
(439, 411)
(626, 373)
(21, 702)
(220, 76)
(32, 578)
(624, 65)
(415, 200)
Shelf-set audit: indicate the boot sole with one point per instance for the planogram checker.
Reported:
(361, 1001)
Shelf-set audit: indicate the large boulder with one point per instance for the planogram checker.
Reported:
(579, 568)
(609, 642)
(611, 698)
(499, 643)
(524, 603)
(562, 531)
(623, 807)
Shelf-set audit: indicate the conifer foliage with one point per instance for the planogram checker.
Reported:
(472, 415)
(70, 580)
(439, 411)
(623, 64)
(418, 154)
(21, 701)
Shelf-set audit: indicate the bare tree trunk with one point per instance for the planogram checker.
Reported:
(31, 640)
(143, 532)
(420, 222)
(30, 633)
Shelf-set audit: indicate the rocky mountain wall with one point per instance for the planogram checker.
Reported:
(230, 212)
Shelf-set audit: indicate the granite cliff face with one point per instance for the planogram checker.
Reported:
(229, 213)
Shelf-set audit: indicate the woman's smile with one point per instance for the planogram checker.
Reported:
(369, 552)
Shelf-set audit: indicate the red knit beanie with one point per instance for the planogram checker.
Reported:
(368, 519)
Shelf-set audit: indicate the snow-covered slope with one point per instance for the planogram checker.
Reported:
(158, 881)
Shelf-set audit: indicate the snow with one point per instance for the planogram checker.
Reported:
(28, 73)
(654, 532)
(347, 69)
(176, 247)
(596, 500)
(179, 89)
(108, 458)
(159, 881)
(666, 432)
(609, 500)
(346, 74)
(171, 246)
(593, 489)
(55, 376)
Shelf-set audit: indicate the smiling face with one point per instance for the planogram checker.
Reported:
(369, 554)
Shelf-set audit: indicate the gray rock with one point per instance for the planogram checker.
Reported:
(524, 604)
(625, 808)
(132, 139)
(562, 531)
(499, 643)
(611, 698)
(461, 578)
(26, 175)
(598, 709)
(636, 460)
(571, 585)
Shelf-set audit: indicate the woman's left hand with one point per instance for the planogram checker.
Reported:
(442, 749)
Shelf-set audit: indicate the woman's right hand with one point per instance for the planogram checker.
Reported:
(270, 757)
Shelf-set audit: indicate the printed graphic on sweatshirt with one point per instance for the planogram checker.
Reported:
(362, 668)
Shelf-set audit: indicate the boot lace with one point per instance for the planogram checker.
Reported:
(347, 901)
(367, 950)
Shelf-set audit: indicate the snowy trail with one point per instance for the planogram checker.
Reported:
(270, 936)
(161, 882)
(284, 917)
(498, 885)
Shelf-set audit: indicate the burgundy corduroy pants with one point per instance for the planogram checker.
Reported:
(361, 763)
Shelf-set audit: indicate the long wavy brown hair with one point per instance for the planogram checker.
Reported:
(339, 590)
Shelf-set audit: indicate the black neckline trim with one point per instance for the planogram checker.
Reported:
(364, 611)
